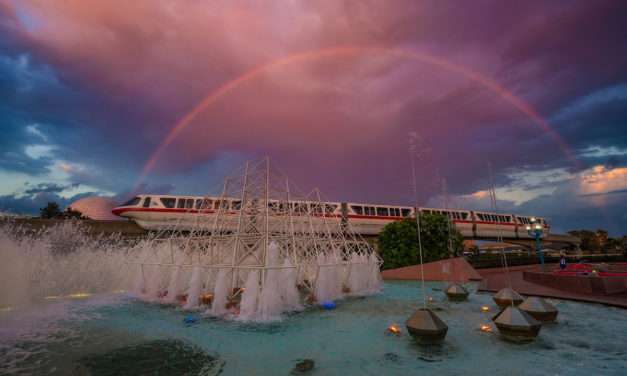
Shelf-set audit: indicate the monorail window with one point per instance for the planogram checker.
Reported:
(330, 208)
(358, 209)
(317, 208)
(464, 216)
(383, 212)
(236, 205)
(168, 202)
(273, 206)
(300, 208)
(406, 212)
(395, 212)
(204, 204)
(132, 202)
(283, 207)
(480, 216)
(146, 202)
(223, 204)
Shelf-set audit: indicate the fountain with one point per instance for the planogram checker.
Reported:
(539, 309)
(507, 297)
(516, 325)
(281, 246)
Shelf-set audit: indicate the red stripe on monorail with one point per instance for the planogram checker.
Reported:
(119, 211)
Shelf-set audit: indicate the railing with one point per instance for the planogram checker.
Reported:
(495, 260)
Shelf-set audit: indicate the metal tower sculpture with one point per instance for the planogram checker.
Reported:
(259, 250)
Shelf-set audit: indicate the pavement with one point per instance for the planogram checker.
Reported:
(452, 269)
(495, 279)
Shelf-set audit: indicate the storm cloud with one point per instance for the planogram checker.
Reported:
(104, 83)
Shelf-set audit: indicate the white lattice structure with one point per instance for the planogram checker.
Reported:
(261, 250)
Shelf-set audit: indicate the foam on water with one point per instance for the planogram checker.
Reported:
(59, 261)
(64, 260)
(248, 308)
(288, 290)
(195, 288)
(220, 294)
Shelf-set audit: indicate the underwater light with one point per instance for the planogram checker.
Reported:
(51, 297)
(79, 295)
(6, 309)
(485, 308)
(394, 329)
(206, 298)
(485, 328)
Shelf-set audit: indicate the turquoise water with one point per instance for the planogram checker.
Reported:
(350, 340)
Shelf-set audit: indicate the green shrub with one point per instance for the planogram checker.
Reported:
(398, 241)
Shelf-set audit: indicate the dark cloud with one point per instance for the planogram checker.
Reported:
(614, 192)
(106, 83)
(48, 188)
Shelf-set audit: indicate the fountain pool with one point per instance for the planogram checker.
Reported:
(73, 336)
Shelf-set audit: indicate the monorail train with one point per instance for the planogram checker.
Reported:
(157, 212)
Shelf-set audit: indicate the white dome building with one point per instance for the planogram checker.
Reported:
(95, 207)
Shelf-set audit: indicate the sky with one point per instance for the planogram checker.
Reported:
(110, 98)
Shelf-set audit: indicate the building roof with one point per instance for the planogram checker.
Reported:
(95, 207)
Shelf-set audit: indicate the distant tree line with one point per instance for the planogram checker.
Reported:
(599, 242)
(53, 211)
(398, 241)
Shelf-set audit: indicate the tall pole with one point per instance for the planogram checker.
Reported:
(412, 151)
(539, 248)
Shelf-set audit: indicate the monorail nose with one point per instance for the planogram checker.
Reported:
(117, 211)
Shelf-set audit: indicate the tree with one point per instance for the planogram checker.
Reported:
(70, 213)
(50, 211)
(398, 241)
(594, 241)
(588, 243)
(601, 238)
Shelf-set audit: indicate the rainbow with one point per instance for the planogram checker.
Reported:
(334, 52)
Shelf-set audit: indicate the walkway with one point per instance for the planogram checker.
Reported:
(495, 279)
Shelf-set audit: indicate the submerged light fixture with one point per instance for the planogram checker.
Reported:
(539, 309)
(514, 325)
(456, 292)
(507, 297)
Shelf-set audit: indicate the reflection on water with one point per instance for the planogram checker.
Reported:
(350, 340)
(158, 357)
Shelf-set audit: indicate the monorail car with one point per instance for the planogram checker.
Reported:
(157, 212)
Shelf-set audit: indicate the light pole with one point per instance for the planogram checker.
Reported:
(535, 229)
